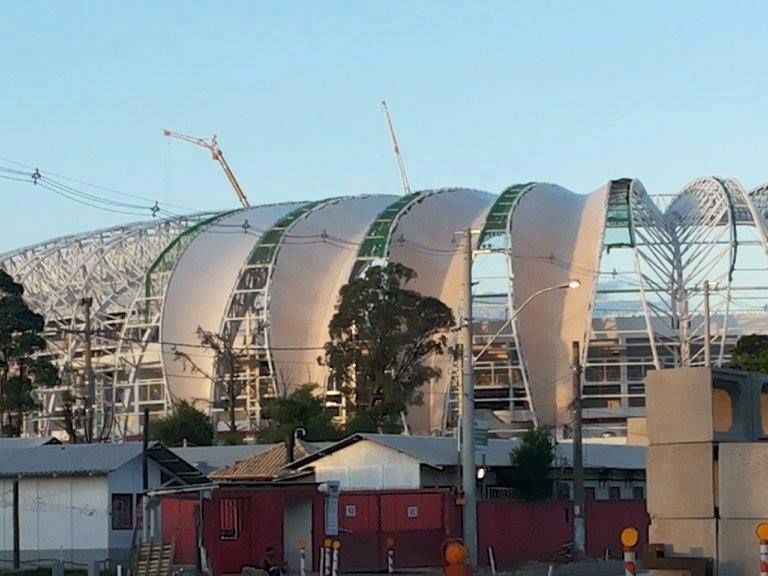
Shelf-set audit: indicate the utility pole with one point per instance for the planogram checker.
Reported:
(90, 393)
(16, 526)
(707, 333)
(579, 526)
(145, 476)
(468, 481)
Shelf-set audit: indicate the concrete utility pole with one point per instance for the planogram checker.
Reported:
(579, 526)
(707, 329)
(90, 395)
(468, 481)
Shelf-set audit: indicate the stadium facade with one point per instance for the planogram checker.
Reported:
(267, 279)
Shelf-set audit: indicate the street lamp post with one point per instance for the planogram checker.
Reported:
(468, 473)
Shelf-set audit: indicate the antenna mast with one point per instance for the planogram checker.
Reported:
(216, 153)
(396, 146)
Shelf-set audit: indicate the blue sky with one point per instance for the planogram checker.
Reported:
(483, 95)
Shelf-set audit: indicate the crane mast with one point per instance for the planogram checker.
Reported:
(396, 146)
(212, 145)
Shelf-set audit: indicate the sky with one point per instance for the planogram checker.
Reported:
(483, 95)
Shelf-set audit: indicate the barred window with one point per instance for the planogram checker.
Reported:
(233, 518)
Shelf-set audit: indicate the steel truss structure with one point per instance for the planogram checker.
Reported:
(108, 266)
(645, 269)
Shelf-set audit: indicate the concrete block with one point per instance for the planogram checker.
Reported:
(681, 481)
(738, 548)
(685, 538)
(701, 405)
(742, 477)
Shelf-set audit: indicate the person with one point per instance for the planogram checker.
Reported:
(271, 565)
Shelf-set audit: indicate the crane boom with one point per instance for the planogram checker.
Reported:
(396, 146)
(212, 145)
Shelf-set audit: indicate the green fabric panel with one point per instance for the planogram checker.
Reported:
(498, 216)
(376, 241)
(267, 246)
(168, 258)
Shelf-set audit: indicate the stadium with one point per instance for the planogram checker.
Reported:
(267, 279)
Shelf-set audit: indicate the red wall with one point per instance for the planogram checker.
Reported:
(383, 515)
(522, 532)
(519, 532)
(180, 517)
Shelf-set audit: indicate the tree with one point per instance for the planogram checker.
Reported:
(751, 353)
(21, 371)
(300, 409)
(531, 463)
(185, 422)
(380, 337)
(225, 377)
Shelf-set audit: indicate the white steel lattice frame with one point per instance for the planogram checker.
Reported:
(722, 239)
(637, 261)
(246, 324)
(138, 357)
(108, 266)
(492, 242)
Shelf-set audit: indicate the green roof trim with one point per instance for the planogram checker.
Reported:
(498, 216)
(266, 248)
(376, 240)
(619, 212)
(170, 255)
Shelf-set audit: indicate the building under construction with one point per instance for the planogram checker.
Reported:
(267, 278)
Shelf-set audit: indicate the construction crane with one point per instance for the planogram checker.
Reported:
(396, 146)
(213, 145)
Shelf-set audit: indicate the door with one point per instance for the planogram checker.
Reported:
(297, 526)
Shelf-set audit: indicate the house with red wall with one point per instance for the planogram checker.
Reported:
(392, 487)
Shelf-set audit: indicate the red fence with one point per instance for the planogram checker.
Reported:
(521, 532)
(238, 524)
(418, 521)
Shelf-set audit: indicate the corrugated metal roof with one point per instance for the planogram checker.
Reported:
(441, 452)
(89, 459)
(15, 443)
(210, 458)
(264, 466)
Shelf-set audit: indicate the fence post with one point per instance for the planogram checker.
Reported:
(303, 557)
(390, 556)
(629, 539)
(336, 551)
(762, 536)
(492, 560)
(327, 556)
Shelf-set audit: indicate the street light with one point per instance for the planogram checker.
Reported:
(572, 284)
(468, 472)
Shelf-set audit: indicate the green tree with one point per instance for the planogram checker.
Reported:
(185, 422)
(380, 337)
(21, 371)
(751, 353)
(300, 409)
(531, 464)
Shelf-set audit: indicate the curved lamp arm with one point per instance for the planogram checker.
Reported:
(571, 284)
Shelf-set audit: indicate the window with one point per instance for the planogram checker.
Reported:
(722, 406)
(233, 518)
(589, 494)
(638, 492)
(614, 493)
(350, 511)
(122, 511)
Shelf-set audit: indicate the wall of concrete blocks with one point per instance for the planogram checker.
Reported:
(707, 465)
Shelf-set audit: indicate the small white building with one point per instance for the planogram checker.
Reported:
(82, 502)
(393, 462)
